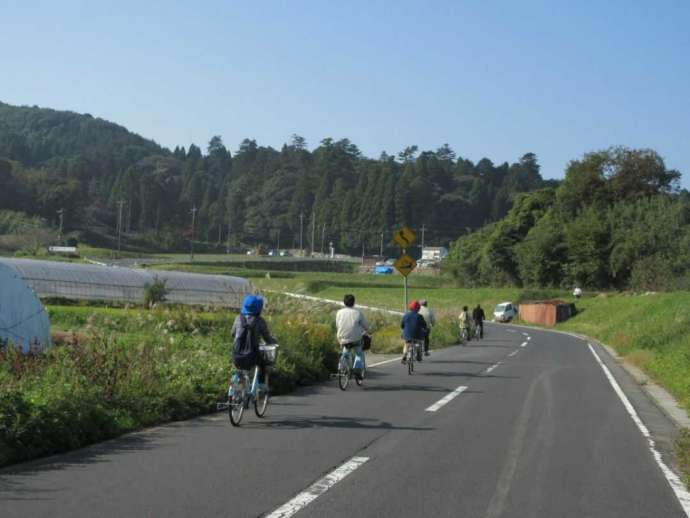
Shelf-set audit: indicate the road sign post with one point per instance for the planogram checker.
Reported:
(404, 264)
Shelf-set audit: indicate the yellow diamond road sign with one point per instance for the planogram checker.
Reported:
(404, 237)
(405, 264)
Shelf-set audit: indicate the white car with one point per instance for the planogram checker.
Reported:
(505, 312)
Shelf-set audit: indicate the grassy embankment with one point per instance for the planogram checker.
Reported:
(131, 368)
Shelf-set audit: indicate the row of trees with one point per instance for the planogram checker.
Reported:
(100, 174)
(617, 220)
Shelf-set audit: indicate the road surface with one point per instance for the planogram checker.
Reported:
(525, 423)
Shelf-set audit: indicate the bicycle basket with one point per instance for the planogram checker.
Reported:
(366, 342)
(268, 353)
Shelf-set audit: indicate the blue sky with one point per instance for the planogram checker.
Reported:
(493, 79)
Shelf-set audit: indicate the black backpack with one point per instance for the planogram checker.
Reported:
(244, 354)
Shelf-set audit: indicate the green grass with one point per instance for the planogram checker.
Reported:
(135, 367)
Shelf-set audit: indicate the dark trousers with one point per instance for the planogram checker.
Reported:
(426, 341)
(480, 325)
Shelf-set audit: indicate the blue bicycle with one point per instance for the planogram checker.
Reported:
(245, 387)
(346, 367)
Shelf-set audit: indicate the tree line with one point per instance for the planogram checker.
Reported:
(104, 176)
(618, 220)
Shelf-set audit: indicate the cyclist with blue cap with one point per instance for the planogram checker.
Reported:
(248, 328)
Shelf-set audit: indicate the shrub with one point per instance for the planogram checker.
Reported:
(155, 292)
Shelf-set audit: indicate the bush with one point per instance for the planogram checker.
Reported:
(155, 292)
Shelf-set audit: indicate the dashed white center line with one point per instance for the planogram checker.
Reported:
(523, 344)
(514, 353)
(487, 371)
(529, 338)
(447, 399)
(318, 488)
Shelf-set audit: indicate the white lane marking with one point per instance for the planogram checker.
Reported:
(525, 334)
(514, 352)
(529, 338)
(511, 330)
(674, 481)
(446, 399)
(318, 488)
(523, 344)
(384, 362)
(487, 371)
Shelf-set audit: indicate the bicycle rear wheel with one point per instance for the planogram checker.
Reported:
(410, 360)
(344, 373)
(236, 406)
(261, 400)
(359, 379)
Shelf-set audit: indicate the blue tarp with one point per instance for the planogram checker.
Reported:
(383, 270)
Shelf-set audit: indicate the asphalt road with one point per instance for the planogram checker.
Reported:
(525, 431)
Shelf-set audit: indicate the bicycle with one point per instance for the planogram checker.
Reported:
(346, 367)
(414, 348)
(245, 387)
(465, 335)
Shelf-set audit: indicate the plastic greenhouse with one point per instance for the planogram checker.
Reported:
(24, 321)
(94, 282)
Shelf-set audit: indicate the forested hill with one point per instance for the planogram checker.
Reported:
(35, 136)
(618, 220)
(61, 160)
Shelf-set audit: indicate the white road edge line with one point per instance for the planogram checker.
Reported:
(318, 488)
(446, 399)
(384, 362)
(514, 353)
(523, 344)
(674, 481)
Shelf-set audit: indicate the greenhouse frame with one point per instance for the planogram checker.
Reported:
(110, 283)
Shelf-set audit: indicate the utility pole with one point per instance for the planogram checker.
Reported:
(423, 229)
(120, 204)
(301, 224)
(227, 247)
(361, 237)
(61, 213)
(313, 232)
(323, 236)
(381, 252)
(191, 241)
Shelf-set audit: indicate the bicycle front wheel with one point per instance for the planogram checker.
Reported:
(261, 400)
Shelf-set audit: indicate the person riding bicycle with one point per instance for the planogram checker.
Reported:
(465, 323)
(351, 327)
(430, 320)
(478, 316)
(413, 327)
(248, 327)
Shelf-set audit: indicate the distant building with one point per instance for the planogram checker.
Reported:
(434, 253)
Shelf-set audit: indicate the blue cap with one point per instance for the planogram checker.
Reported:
(252, 305)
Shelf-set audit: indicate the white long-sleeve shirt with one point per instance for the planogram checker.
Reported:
(351, 325)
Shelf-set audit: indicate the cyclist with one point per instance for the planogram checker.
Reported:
(351, 327)
(465, 324)
(478, 316)
(430, 320)
(248, 327)
(413, 327)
